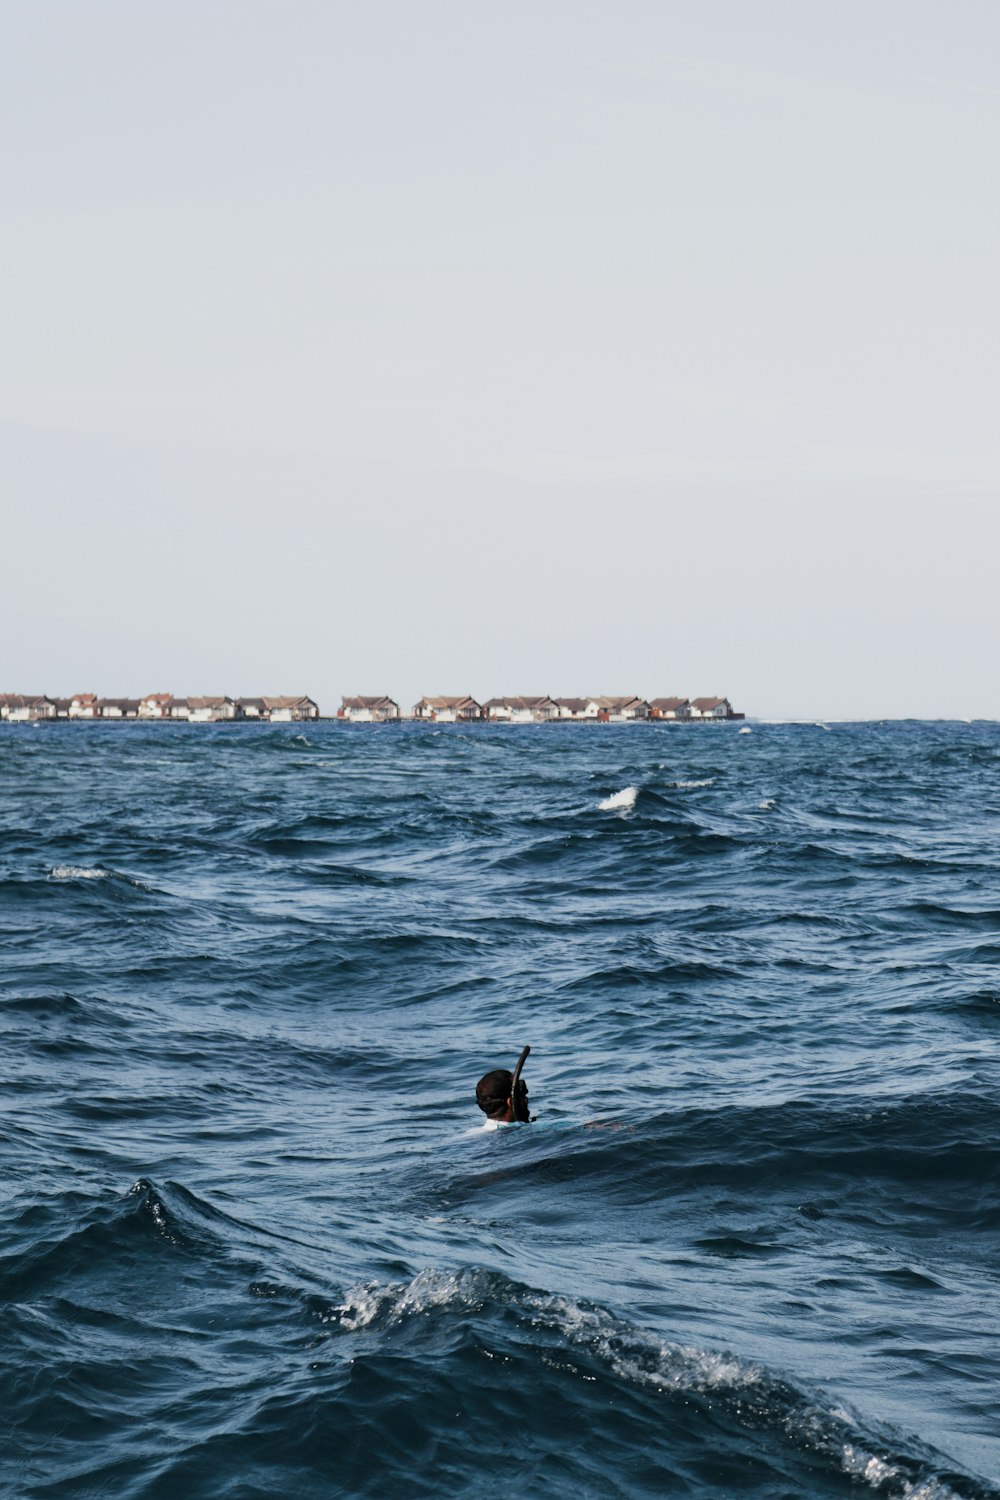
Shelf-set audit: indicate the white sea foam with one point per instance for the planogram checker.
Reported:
(641, 1357)
(860, 1465)
(84, 872)
(620, 800)
(767, 804)
(746, 730)
(690, 786)
(879, 1474)
(364, 1305)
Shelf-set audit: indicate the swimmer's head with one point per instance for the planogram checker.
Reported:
(494, 1098)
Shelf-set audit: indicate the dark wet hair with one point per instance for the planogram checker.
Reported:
(493, 1092)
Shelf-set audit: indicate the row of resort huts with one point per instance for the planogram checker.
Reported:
(538, 710)
(21, 707)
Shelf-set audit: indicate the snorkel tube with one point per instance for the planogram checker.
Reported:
(519, 1103)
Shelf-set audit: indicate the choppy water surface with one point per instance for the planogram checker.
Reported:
(252, 1243)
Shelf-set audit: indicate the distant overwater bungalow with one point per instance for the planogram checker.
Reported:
(376, 710)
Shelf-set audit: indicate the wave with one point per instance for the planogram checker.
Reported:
(627, 976)
(55, 1003)
(939, 914)
(690, 1411)
(356, 875)
(439, 1379)
(53, 1254)
(78, 1238)
(978, 1003)
(620, 800)
(98, 872)
(923, 1160)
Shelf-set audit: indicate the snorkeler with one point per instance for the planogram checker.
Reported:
(503, 1096)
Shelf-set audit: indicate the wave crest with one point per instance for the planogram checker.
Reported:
(620, 801)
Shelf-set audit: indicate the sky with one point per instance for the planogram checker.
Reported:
(549, 346)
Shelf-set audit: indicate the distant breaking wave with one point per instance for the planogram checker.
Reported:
(620, 800)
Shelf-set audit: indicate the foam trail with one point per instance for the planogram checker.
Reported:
(77, 872)
(625, 798)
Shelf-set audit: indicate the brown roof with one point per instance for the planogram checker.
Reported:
(208, 702)
(518, 701)
(288, 702)
(369, 702)
(458, 702)
(667, 703)
(706, 703)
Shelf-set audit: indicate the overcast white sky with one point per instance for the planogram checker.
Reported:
(421, 346)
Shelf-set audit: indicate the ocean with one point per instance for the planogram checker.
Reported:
(253, 1242)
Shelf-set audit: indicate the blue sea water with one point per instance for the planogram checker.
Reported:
(253, 1242)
